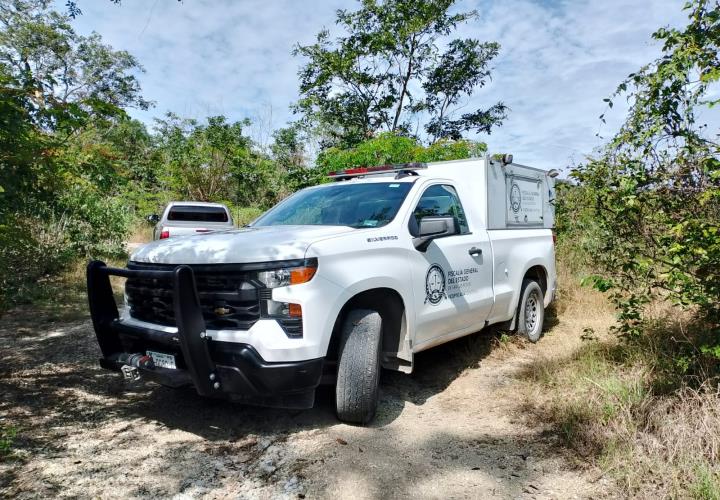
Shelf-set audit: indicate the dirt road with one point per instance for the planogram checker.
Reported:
(454, 429)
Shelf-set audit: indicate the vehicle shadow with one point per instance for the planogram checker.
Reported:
(217, 419)
(54, 374)
(212, 419)
(552, 317)
(435, 369)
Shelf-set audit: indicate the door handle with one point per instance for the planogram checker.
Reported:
(475, 252)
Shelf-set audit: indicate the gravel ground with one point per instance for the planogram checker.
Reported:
(453, 429)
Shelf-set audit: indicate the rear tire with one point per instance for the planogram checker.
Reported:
(531, 311)
(358, 377)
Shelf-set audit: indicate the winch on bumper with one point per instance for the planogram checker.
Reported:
(217, 369)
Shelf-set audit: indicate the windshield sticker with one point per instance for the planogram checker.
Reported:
(381, 238)
(370, 223)
(394, 185)
(435, 285)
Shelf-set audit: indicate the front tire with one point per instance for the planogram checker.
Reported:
(531, 311)
(358, 377)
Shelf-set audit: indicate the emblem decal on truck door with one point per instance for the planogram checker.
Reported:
(434, 285)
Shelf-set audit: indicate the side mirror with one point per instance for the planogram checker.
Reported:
(431, 228)
(153, 219)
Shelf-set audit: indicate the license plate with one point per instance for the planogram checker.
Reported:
(162, 360)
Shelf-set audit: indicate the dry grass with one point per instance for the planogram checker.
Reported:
(676, 445)
(639, 410)
(63, 297)
(141, 232)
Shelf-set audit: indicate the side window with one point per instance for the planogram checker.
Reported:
(441, 200)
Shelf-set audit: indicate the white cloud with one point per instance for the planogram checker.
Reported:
(205, 58)
(557, 62)
(559, 59)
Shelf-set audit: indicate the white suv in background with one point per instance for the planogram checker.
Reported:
(183, 218)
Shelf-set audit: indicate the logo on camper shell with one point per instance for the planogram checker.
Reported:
(515, 198)
(434, 285)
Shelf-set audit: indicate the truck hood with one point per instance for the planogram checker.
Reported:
(253, 244)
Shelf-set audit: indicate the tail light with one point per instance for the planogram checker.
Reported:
(164, 234)
(554, 238)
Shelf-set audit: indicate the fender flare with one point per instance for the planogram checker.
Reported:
(536, 262)
(366, 286)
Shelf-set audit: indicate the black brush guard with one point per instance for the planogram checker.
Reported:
(216, 369)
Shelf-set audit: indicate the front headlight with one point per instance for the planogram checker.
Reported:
(287, 276)
(275, 278)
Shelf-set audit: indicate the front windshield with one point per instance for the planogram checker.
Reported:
(344, 204)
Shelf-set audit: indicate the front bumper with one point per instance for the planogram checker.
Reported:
(216, 369)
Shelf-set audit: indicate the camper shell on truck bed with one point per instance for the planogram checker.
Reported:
(335, 282)
(505, 195)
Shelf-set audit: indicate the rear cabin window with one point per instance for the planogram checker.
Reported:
(190, 213)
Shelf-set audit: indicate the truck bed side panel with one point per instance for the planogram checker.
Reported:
(515, 251)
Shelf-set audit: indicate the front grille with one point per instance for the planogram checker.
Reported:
(229, 297)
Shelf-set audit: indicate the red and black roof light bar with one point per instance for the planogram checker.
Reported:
(381, 169)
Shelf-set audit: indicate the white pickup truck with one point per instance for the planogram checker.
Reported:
(183, 218)
(335, 282)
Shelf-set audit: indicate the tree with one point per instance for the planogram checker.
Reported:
(461, 69)
(288, 148)
(656, 185)
(289, 153)
(389, 148)
(388, 68)
(54, 84)
(199, 158)
(67, 77)
(61, 97)
(215, 162)
(20, 142)
(73, 9)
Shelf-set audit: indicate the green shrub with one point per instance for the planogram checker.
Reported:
(578, 237)
(43, 240)
(444, 150)
(242, 215)
(654, 192)
(95, 225)
(389, 148)
(7, 436)
(30, 249)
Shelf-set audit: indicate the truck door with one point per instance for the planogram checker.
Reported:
(452, 279)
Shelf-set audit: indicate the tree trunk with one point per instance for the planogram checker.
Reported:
(406, 80)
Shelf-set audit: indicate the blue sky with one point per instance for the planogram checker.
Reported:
(558, 60)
